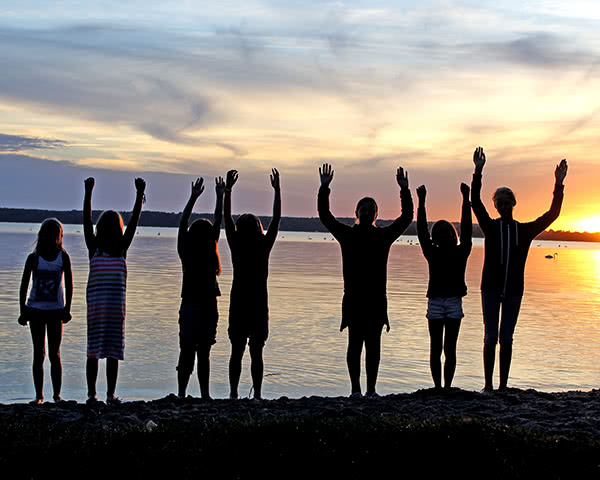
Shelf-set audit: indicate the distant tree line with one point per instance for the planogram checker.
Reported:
(289, 224)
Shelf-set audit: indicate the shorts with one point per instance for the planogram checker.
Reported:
(439, 308)
(254, 335)
(198, 324)
(490, 303)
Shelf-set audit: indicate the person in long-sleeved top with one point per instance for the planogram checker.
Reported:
(507, 243)
(249, 305)
(447, 262)
(365, 250)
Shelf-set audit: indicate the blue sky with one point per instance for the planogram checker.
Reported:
(175, 90)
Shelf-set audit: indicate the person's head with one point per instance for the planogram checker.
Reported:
(504, 201)
(50, 237)
(202, 243)
(109, 231)
(366, 211)
(249, 226)
(443, 234)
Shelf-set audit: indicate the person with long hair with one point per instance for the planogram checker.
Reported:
(48, 306)
(365, 251)
(198, 250)
(249, 305)
(106, 288)
(447, 261)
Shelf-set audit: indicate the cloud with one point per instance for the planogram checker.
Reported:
(19, 143)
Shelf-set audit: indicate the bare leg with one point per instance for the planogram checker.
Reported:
(91, 373)
(257, 369)
(372, 359)
(203, 367)
(112, 371)
(55, 328)
(355, 346)
(450, 339)
(235, 367)
(185, 366)
(505, 359)
(436, 335)
(489, 358)
(38, 337)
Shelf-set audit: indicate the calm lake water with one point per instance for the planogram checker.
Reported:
(556, 343)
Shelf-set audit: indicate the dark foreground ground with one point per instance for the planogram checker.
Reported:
(514, 434)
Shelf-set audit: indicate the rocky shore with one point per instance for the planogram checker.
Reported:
(512, 434)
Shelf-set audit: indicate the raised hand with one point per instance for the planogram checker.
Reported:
(479, 159)
(402, 177)
(275, 179)
(465, 189)
(89, 184)
(232, 176)
(561, 171)
(140, 185)
(219, 185)
(326, 174)
(197, 187)
(421, 193)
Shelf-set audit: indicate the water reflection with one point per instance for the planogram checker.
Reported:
(555, 343)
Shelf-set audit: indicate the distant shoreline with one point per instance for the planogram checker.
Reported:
(290, 224)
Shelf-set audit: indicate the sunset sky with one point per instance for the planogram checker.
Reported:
(171, 90)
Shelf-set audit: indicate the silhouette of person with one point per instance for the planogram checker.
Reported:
(105, 294)
(365, 250)
(447, 261)
(249, 305)
(507, 243)
(48, 306)
(198, 250)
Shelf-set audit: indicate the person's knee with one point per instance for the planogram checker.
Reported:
(490, 338)
(54, 357)
(506, 341)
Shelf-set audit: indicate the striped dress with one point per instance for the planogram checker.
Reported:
(106, 306)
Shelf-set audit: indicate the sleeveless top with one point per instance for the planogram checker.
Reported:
(47, 291)
(105, 297)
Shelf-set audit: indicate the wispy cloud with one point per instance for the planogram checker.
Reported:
(20, 143)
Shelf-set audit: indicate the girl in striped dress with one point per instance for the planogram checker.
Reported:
(105, 296)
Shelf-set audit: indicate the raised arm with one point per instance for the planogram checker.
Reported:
(88, 226)
(232, 177)
(140, 187)
(336, 227)
(23, 290)
(68, 286)
(274, 225)
(481, 213)
(543, 222)
(422, 228)
(197, 189)
(408, 211)
(218, 216)
(466, 221)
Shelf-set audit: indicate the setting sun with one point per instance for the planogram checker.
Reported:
(590, 224)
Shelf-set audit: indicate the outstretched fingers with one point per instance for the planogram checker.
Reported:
(232, 176)
(326, 174)
(198, 187)
(402, 177)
